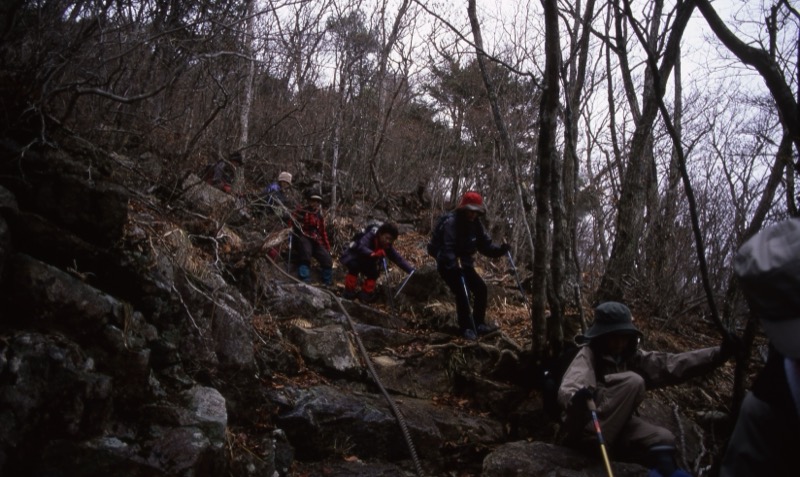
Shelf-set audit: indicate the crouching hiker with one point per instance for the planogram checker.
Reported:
(614, 373)
(311, 239)
(366, 257)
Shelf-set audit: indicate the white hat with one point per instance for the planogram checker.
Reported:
(285, 177)
(768, 267)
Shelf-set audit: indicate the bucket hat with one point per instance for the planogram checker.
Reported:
(472, 201)
(768, 269)
(285, 177)
(611, 317)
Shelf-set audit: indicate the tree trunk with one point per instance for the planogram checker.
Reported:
(630, 218)
(548, 126)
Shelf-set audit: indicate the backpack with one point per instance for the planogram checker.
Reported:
(370, 227)
(435, 243)
(552, 375)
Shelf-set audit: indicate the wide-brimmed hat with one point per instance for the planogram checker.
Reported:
(768, 268)
(285, 177)
(611, 317)
(472, 201)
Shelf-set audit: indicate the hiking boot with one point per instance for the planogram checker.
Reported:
(349, 294)
(486, 329)
(365, 297)
(469, 335)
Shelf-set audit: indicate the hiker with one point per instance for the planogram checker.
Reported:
(366, 256)
(277, 196)
(277, 201)
(458, 235)
(223, 173)
(311, 238)
(611, 370)
(766, 438)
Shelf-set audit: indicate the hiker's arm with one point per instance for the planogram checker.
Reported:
(664, 369)
(579, 375)
(485, 244)
(394, 256)
(364, 245)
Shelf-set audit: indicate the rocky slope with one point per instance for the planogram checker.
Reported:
(144, 331)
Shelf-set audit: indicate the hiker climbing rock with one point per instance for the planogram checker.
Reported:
(614, 373)
(457, 236)
(223, 173)
(365, 257)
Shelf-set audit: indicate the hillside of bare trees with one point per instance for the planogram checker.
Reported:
(625, 149)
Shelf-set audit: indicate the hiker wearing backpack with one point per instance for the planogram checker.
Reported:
(223, 173)
(365, 257)
(311, 238)
(766, 438)
(278, 197)
(611, 371)
(276, 202)
(456, 238)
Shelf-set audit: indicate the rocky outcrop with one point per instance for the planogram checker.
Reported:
(138, 339)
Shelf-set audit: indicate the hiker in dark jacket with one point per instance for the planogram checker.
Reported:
(766, 438)
(366, 257)
(462, 235)
(611, 370)
(223, 174)
(312, 239)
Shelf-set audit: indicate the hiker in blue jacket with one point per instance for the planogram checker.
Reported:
(462, 235)
(366, 257)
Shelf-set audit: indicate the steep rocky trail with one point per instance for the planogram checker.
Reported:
(146, 331)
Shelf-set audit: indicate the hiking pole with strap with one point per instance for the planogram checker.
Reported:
(400, 288)
(516, 276)
(593, 409)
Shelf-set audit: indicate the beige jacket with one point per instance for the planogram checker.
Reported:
(657, 368)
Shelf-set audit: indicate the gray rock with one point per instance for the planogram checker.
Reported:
(539, 459)
(327, 346)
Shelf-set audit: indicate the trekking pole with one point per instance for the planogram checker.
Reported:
(388, 289)
(593, 409)
(516, 276)
(466, 295)
(400, 288)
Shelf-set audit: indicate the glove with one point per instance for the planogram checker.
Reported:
(731, 346)
(581, 397)
(505, 248)
(380, 253)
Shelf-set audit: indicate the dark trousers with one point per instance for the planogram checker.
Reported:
(474, 286)
(308, 249)
(370, 268)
